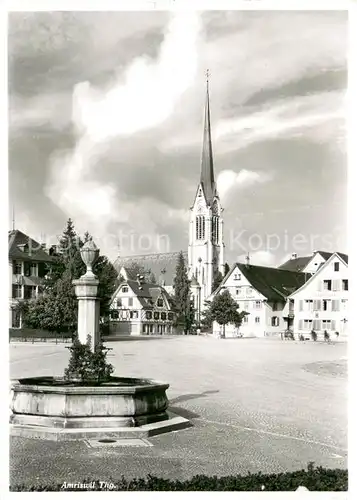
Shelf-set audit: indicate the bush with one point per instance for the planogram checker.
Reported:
(314, 479)
(87, 366)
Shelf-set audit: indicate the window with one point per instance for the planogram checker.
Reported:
(249, 290)
(274, 321)
(125, 289)
(237, 277)
(114, 314)
(246, 305)
(326, 324)
(27, 268)
(170, 316)
(16, 267)
(307, 324)
(309, 305)
(335, 305)
(156, 315)
(148, 315)
(33, 269)
(245, 319)
(345, 285)
(163, 316)
(327, 284)
(215, 229)
(29, 292)
(317, 305)
(16, 291)
(257, 319)
(238, 291)
(134, 314)
(200, 227)
(336, 266)
(151, 328)
(324, 305)
(130, 301)
(258, 304)
(119, 303)
(343, 304)
(275, 306)
(160, 303)
(316, 324)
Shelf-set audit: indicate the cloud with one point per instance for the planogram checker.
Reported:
(145, 99)
(228, 180)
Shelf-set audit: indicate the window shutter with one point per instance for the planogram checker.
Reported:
(318, 304)
(334, 285)
(318, 324)
(301, 305)
(300, 324)
(319, 286)
(335, 305)
(333, 324)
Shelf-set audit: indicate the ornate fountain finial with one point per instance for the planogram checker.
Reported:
(89, 254)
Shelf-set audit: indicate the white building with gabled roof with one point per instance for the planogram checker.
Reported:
(262, 292)
(322, 302)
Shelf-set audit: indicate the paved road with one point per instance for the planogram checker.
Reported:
(256, 404)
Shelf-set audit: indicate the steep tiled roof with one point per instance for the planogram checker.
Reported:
(22, 247)
(146, 293)
(297, 264)
(274, 284)
(157, 263)
(300, 263)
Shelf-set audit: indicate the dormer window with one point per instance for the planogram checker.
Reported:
(237, 276)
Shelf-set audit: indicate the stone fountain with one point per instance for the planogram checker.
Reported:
(59, 409)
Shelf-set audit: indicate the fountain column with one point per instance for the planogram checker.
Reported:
(86, 288)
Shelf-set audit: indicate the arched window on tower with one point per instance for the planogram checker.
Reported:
(215, 229)
(215, 223)
(200, 227)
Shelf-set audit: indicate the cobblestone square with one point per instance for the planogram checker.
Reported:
(255, 405)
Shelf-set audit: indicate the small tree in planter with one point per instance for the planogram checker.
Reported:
(86, 366)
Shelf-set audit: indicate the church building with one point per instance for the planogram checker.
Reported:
(205, 255)
(206, 247)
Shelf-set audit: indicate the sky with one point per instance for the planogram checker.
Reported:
(106, 126)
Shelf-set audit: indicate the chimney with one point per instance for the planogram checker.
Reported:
(140, 279)
(247, 260)
(293, 256)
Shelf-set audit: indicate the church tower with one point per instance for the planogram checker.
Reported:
(206, 247)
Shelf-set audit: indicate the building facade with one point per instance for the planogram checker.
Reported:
(28, 265)
(263, 293)
(322, 302)
(139, 308)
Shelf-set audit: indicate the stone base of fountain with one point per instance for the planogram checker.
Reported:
(52, 408)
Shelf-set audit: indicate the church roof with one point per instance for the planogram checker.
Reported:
(207, 171)
(156, 263)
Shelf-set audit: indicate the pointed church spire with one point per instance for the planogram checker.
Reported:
(207, 173)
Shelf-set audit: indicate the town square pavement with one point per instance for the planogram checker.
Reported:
(255, 405)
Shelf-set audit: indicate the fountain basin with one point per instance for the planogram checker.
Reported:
(54, 408)
(54, 402)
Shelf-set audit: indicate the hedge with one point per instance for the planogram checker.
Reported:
(314, 479)
(30, 334)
